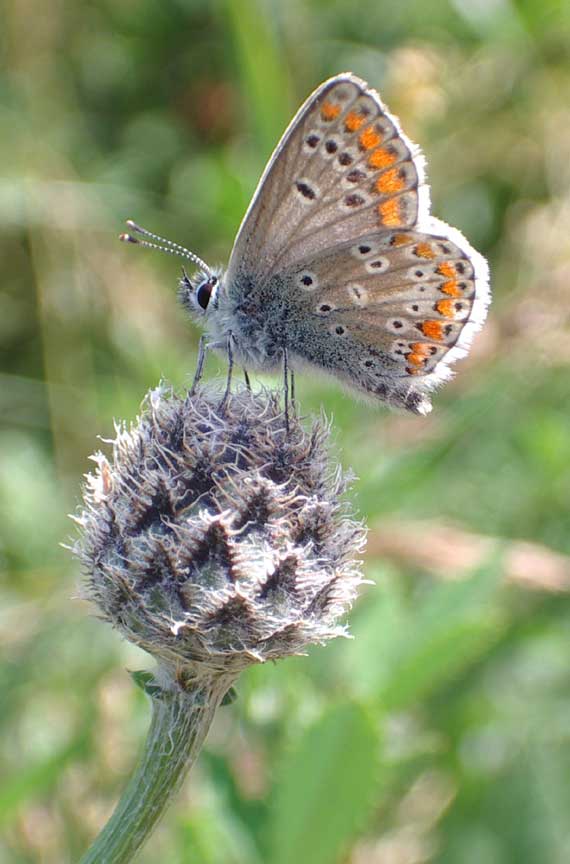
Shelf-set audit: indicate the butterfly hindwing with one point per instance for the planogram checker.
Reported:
(390, 311)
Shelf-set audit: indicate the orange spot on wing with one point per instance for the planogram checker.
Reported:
(446, 268)
(421, 348)
(418, 355)
(445, 308)
(400, 240)
(353, 121)
(389, 213)
(413, 370)
(424, 250)
(381, 158)
(433, 330)
(390, 182)
(370, 138)
(330, 111)
(451, 289)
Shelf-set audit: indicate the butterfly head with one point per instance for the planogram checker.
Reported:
(199, 295)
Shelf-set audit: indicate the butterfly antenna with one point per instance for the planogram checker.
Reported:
(162, 244)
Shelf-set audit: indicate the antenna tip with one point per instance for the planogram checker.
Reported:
(130, 223)
(128, 238)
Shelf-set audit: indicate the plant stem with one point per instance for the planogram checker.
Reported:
(180, 722)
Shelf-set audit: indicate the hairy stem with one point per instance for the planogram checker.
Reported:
(179, 725)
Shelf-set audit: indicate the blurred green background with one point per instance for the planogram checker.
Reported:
(441, 733)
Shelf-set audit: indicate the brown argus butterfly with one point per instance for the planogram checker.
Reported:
(338, 264)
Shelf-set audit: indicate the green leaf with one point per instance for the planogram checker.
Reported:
(147, 683)
(404, 651)
(327, 788)
(230, 697)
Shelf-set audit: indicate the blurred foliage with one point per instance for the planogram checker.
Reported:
(441, 732)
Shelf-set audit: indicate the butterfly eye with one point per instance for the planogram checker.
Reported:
(204, 292)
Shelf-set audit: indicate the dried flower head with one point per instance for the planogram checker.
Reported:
(217, 538)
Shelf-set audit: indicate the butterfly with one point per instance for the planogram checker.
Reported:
(338, 265)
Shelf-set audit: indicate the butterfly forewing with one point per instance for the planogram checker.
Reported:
(342, 169)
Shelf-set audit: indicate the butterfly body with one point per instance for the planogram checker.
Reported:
(338, 262)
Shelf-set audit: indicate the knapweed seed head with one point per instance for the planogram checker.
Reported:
(217, 537)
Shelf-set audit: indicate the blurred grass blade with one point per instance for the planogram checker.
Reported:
(259, 59)
(327, 788)
(38, 779)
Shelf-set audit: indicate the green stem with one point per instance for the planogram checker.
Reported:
(179, 725)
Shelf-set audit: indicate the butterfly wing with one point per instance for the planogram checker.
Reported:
(342, 169)
(378, 292)
(389, 312)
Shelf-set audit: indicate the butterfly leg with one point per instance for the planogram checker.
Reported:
(247, 381)
(202, 348)
(293, 405)
(230, 370)
(286, 387)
